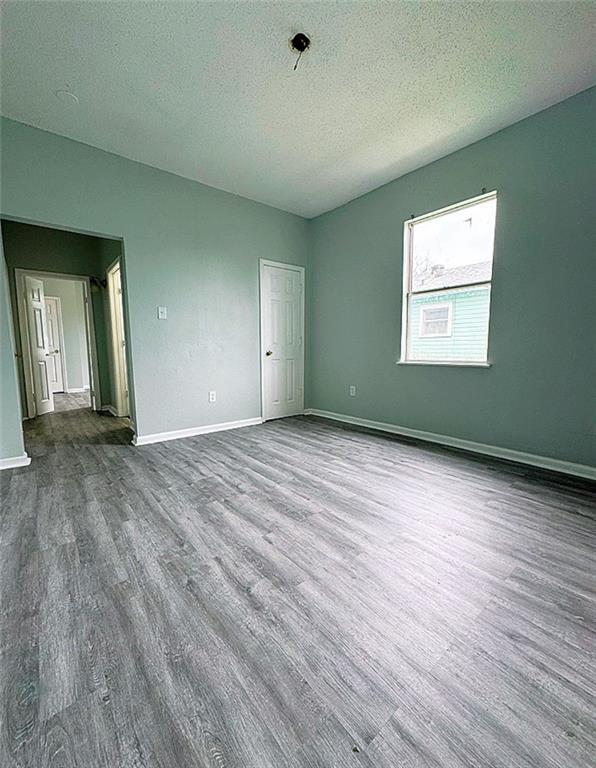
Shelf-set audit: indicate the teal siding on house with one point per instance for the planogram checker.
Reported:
(469, 326)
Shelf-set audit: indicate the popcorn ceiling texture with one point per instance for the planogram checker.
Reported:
(207, 90)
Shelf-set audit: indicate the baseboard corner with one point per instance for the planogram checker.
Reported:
(13, 462)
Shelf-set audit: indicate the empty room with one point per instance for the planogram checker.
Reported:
(298, 384)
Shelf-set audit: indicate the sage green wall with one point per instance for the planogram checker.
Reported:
(196, 250)
(54, 250)
(70, 294)
(539, 395)
(189, 247)
(11, 437)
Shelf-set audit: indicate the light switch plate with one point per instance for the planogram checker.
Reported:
(162, 313)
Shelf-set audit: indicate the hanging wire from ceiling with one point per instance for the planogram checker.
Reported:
(299, 43)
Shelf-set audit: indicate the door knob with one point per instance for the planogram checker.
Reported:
(269, 352)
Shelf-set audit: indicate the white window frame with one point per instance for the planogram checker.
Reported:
(407, 284)
(438, 305)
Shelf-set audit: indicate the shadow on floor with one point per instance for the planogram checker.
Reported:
(73, 422)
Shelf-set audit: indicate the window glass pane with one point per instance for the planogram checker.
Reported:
(440, 313)
(435, 320)
(467, 336)
(454, 248)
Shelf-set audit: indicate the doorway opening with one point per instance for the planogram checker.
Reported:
(68, 298)
(282, 339)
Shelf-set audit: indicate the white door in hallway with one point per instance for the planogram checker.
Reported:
(55, 359)
(120, 383)
(38, 342)
(282, 340)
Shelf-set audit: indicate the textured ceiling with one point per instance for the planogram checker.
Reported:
(207, 91)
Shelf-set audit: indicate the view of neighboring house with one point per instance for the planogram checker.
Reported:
(451, 323)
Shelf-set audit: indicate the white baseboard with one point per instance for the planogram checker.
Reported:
(76, 390)
(543, 462)
(109, 409)
(15, 461)
(161, 437)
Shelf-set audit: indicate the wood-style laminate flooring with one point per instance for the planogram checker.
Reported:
(71, 401)
(291, 595)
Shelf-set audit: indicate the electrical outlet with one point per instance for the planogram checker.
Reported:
(212, 396)
(352, 390)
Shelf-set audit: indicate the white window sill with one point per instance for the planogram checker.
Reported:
(444, 363)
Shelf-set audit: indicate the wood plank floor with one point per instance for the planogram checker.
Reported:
(72, 401)
(291, 595)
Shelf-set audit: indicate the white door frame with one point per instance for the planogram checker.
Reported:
(24, 335)
(118, 358)
(58, 301)
(283, 265)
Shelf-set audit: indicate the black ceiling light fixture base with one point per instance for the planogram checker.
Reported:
(299, 43)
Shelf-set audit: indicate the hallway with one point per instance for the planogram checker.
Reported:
(72, 425)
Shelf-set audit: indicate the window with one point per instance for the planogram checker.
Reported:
(436, 320)
(448, 261)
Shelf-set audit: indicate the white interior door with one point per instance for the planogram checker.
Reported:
(38, 342)
(55, 335)
(282, 342)
(118, 340)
